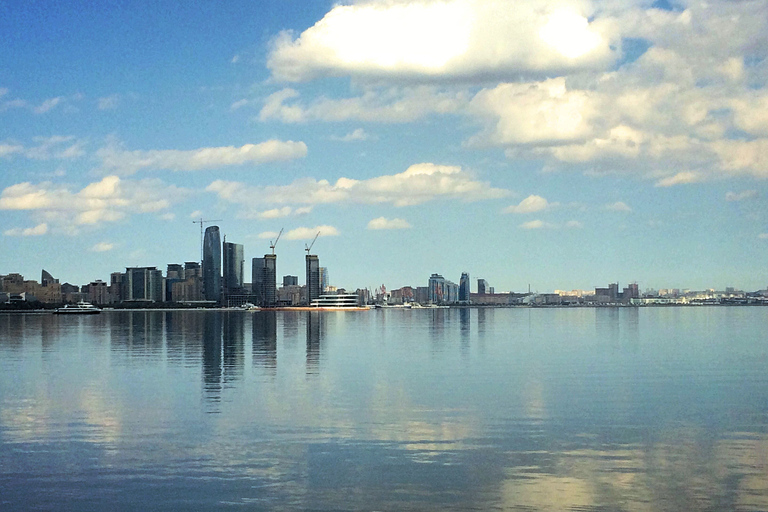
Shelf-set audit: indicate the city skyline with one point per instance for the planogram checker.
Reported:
(598, 144)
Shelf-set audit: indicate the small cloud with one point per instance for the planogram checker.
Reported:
(267, 235)
(574, 224)
(276, 213)
(238, 104)
(108, 102)
(196, 214)
(309, 233)
(763, 236)
(235, 59)
(537, 224)
(741, 196)
(102, 247)
(38, 230)
(680, 178)
(618, 206)
(530, 204)
(47, 105)
(384, 223)
(358, 134)
(168, 216)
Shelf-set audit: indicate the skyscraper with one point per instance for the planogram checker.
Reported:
(313, 277)
(212, 264)
(482, 287)
(464, 288)
(263, 279)
(324, 279)
(233, 263)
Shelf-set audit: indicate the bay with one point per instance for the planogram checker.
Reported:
(447, 409)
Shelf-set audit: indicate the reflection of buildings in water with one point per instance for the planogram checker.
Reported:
(14, 329)
(437, 323)
(137, 333)
(183, 336)
(316, 324)
(233, 344)
(264, 339)
(618, 325)
(290, 321)
(50, 331)
(212, 370)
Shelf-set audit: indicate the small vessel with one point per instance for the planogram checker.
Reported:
(81, 308)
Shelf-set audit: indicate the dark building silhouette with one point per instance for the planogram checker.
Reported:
(313, 277)
(212, 264)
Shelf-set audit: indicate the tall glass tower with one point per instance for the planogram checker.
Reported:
(212, 264)
(233, 267)
(313, 277)
(464, 288)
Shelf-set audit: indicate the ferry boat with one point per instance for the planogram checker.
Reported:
(81, 308)
(338, 302)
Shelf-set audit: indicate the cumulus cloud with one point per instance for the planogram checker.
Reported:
(116, 160)
(285, 211)
(108, 200)
(38, 230)
(418, 184)
(102, 247)
(741, 196)
(537, 224)
(530, 204)
(446, 40)
(618, 206)
(391, 105)
(309, 233)
(384, 223)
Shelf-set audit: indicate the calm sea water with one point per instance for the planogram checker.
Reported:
(474, 409)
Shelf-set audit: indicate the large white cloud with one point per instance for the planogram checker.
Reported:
(448, 39)
(418, 184)
(115, 160)
(108, 200)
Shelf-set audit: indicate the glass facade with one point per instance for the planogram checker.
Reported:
(212, 264)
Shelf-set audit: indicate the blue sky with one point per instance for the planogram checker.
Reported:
(561, 144)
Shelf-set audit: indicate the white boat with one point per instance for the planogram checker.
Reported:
(81, 308)
(338, 302)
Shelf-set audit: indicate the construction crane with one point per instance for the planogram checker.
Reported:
(273, 244)
(309, 248)
(202, 222)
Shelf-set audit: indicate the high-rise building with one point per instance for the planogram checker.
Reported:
(313, 277)
(464, 288)
(175, 271)
(290, 280)
(263, 279)
(324, 279)
(233, 263)
(143, 284)
(482, 287)
(212, 264)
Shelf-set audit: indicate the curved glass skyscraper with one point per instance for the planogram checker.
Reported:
(212, 264)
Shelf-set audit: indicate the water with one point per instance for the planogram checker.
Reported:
(474, 409)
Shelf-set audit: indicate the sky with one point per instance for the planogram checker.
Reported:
(561, 145)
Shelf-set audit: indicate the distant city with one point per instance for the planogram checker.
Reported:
(218, 281)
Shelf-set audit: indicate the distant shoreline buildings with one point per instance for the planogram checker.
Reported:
(219, 281)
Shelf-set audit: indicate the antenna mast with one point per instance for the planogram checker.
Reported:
(202, 222)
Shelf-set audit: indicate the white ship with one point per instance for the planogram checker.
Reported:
(81, 308)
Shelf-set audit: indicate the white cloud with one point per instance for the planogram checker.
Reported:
(355, 135)
(267, 235)
(47, 105)
(741, 196)
(108, 200)
(763, 236)
(681, 178)
(108, 102)
(10, 149)
(119, 161)
(102, 247)
(285, 211)
(534, 113)
(618, 206)
(384, 223)
(537, 224)
(392, 105)
(418, 184)
(38, 230)
(574, 224)
(196, 214)
(530, 204)
(309, 233)
(446, 40)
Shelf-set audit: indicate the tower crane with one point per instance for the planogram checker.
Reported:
(309, 248)
(273, 244)
(202, 222)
